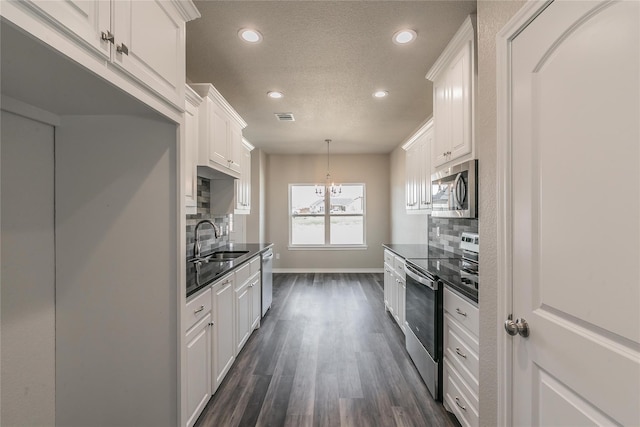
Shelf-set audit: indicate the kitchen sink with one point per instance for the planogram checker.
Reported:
(225, 255)
(220, 256)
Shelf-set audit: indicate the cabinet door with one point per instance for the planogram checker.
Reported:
(85, 20)
(223, 326)
(400, 317)
(441, 121)
(425, 171)
(412, 173)
(218, 135)
(243, 184)
(243, 315)
(256, 300)
(191, 119)
(235, 147)
(199, 346)
(388, 280)
(393, 295)
(459, 78)
(150, 46)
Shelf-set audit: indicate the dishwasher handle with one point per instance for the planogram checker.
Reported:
(267, 255)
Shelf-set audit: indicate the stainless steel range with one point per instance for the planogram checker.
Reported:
(423, 305)
(426, 278)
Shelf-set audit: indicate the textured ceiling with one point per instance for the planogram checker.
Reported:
(327, 57)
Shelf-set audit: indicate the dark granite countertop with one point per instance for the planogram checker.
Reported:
(421, 251)
(408, 251)
(200, 275)
(444, 265)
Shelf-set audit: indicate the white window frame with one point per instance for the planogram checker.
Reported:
(327, 222)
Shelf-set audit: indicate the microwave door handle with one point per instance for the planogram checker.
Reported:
(454, 192)
(460, 191)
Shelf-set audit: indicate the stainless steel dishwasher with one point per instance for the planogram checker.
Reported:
(267, 280)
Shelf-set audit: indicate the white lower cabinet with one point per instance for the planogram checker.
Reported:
(395, 287)
(401, 290)
(243, 314)
(223, 324)
(461, 361)
(219, 321)
(256, 300)
(198, 367)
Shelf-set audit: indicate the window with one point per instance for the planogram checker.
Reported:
(315, 221)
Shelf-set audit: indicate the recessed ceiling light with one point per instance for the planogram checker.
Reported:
(404, 36)
(275, 94)
(249, 35)
(380, 94)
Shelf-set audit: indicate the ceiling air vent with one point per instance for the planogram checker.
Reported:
(285, 117)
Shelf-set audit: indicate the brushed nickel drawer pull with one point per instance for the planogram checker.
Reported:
(460, 353)
(460, 405)
(198, 310)
(460, 312)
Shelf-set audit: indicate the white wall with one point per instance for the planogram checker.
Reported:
(28, 273)
(405, 228)
(370, 169)
(116, 290)
(492, 16)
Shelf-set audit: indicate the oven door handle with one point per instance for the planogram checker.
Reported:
(431, 284)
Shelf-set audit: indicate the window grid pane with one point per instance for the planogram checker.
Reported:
(342, 225)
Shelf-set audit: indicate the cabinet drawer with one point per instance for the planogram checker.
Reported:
(462, 352)
(462, 401)
(255, 265)
(388, 257)
(242, 274)
(462, 311)
(198, 308)
(398, 265)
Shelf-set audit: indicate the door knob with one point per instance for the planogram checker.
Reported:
(520, 326)
(523, 327)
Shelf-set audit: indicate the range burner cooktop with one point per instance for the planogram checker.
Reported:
(452, 269)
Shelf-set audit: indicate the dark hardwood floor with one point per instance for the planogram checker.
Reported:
(327, 354)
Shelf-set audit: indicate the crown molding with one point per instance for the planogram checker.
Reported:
(465, 34)
(418, 133)
(208, 90)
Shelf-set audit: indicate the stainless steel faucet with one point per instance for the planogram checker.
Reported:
(196, 245)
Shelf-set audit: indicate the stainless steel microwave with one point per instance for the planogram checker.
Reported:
(454, 191)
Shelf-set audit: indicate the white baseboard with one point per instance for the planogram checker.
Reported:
(328, 270)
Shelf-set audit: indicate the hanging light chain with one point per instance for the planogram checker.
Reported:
(329, 186)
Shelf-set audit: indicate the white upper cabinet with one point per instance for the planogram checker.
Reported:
(191, 132)
(243, 184)
(220, 147)
(85, 20)
(150, 45)
(453, 76)
(144, 39)
(418, 169)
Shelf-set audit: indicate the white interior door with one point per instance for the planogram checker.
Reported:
(575, 207)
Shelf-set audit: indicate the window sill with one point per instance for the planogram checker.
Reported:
(327, 247)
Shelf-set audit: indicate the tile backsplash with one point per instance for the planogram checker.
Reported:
(450, 231)
(207, 238)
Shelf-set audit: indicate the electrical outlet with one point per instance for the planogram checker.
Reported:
(438, 231)
(277, 256)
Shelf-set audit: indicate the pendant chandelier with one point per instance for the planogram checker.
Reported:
(329, 187)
